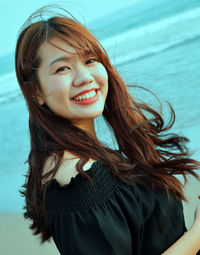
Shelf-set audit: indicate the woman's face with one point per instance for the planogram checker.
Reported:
(63, 75)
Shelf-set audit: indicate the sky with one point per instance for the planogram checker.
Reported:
(13, 14)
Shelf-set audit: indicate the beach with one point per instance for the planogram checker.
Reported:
(16, 238)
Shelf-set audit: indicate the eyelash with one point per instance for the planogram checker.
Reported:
(59, 69)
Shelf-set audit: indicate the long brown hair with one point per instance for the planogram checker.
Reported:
(146, 155)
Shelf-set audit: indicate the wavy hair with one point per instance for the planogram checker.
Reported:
(147, 155)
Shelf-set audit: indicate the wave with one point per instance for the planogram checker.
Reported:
(146, 41)
(123, 60)
(153, 27)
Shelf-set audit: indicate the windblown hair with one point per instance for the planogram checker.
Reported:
(147, 155)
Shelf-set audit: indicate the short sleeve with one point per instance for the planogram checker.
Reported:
(163, 220)
(96, 231)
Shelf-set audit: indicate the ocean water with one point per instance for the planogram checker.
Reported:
(154, 44)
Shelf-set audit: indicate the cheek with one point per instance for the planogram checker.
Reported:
(56, 85)
(102, 78)
(102, 74)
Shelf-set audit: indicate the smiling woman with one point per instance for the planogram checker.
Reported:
(64, 74)
(89, 198)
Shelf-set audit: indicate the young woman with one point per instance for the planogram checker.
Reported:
(89, 198)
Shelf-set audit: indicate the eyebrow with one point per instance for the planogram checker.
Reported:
(59, 59)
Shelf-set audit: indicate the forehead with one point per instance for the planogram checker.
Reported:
(55, 47)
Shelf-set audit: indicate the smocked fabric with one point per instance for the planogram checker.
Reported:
(111, 217)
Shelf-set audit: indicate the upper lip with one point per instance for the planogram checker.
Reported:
(84, 92)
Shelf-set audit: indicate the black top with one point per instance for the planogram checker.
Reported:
(111, 217)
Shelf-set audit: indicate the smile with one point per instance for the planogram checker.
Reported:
(88, 98)
(85, 96)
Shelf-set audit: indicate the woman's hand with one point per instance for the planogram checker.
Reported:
(196, 223)
(197, 214)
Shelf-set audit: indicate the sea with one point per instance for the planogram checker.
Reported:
(153, 44)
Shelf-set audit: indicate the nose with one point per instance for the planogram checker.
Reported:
(82, 77)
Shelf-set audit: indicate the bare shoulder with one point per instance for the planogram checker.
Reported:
(67, 170)
(48, 166)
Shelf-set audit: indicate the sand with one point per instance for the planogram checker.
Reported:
(16, 238)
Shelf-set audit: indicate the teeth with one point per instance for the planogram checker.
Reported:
(85, 96)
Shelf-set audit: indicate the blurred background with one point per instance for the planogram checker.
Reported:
(152, 43)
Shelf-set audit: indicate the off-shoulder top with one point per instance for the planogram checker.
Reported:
(111, 217)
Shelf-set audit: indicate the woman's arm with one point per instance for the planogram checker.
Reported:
(189, 243)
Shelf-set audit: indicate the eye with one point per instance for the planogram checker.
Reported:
(64, 68)
(92, 59)
(61, 69)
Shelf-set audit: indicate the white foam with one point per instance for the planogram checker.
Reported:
(153, 38)
(151, 28)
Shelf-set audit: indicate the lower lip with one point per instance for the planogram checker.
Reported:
(88, 100)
